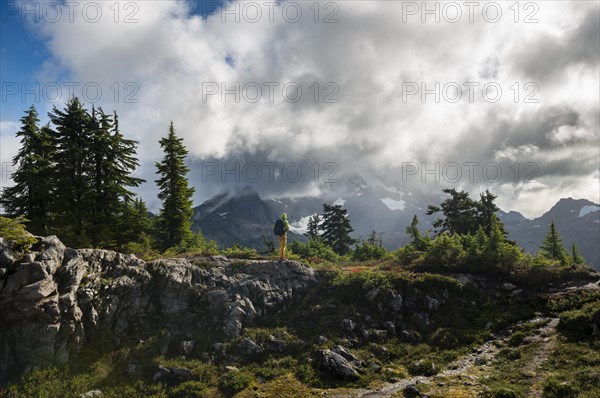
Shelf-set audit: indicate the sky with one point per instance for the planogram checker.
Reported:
(303, 98)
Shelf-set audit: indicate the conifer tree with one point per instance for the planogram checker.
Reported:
(336, 228)
(312, 230)
(460, 213)
(417, 239)
(114, 160)
(135, 224)
(575, 256)
(174, 222)
(71, 202)
(552, 247)
(30, 196)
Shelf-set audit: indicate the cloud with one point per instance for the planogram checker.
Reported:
(365, 62)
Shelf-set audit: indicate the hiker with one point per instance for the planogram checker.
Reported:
(280, 229)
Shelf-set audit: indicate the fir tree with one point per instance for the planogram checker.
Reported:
(336, 229)
(460, 213)
(373, 239)
(72, 200)
(174, 221)
(417, 239)
(134, 223)
(114, 161)
(552, 247)
(30, 196)
(312, 230)
(575, 256)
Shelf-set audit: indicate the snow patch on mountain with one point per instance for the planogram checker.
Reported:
(339, 202)
(587, 210)
(394, 204)
(301, 226)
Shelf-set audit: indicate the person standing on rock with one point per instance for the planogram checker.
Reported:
(280, 229)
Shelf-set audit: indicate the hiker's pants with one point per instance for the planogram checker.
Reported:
(282, 243)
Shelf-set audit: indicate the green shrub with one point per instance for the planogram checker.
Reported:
(13, 230)
(516, 339)
(422, 368)
(554, 388)
(233, 382)
(408, 255)
(188, 389)
(444, 338)
(195, 244)
(236, 251)
(368, 251)
(446, 252)
(314, 250)
(576, 324)
(509, 353)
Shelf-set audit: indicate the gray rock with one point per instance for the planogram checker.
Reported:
(337, 365)
(186, 347)
(182, 374)
(410, 336)
(322, 340)
(249, 350)
(161, 373)
(343, 351)
(372, 294)
(396, 301)
(411, 391)
(348, 326)
(508, 286)
(390, 327)
(432, 304)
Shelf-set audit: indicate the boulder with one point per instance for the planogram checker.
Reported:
(161, 373)
(348, 326)
(336, 364)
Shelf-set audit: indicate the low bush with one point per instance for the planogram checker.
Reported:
(13, 230)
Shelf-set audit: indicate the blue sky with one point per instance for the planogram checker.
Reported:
(23, 51)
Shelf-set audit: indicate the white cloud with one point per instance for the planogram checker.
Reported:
(368, 54)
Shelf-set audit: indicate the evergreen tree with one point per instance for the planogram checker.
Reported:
(552, 247)
(72, 200)
(134, 223)
(487, 211)
(373, 239)
(312, 230)
(460, 213)
(30, 196)
(174, 221)
(417, 239)
(575, 256)
(336, 228)
(114, 160)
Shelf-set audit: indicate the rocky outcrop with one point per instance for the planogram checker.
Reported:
(53, 299)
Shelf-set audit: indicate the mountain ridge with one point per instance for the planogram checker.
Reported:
(244, 217)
